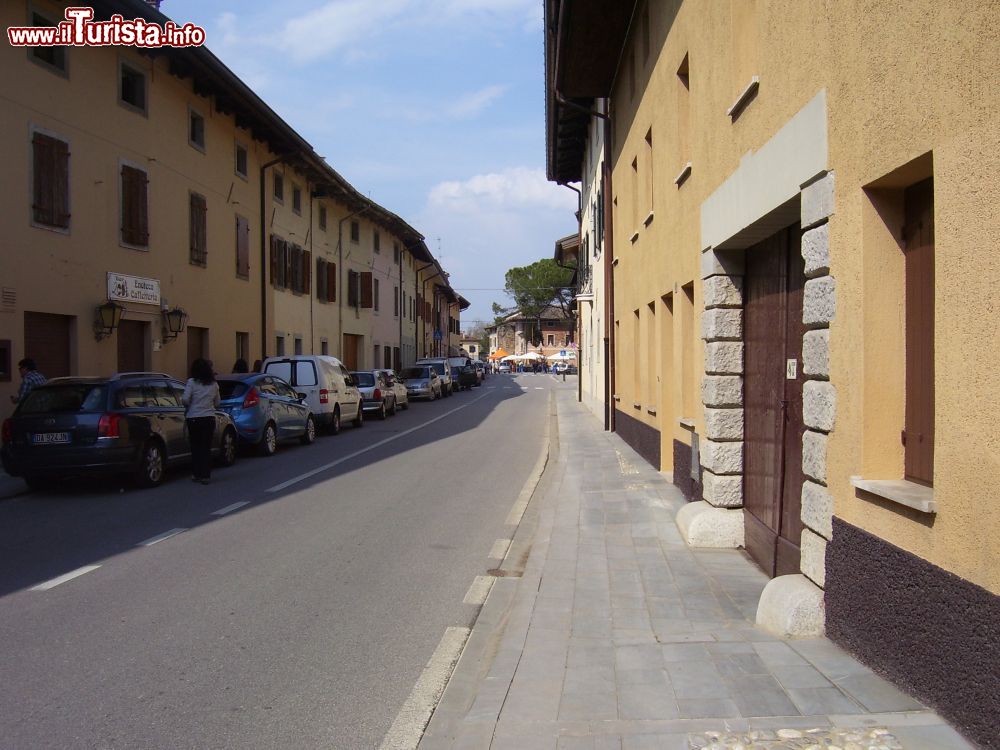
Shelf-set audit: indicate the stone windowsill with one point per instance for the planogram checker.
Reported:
(634, 238)
(617, 398)
(743, 99)
(636, 405)
(651, 410)
(900, 491)
(648, 220)
(683, 175)
(687, 424)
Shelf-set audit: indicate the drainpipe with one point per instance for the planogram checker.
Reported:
(423, 320)
(609, 279)
(309, 273)
(263, 255)
(573, 328)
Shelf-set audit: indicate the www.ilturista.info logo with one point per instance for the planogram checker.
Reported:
(80, 30)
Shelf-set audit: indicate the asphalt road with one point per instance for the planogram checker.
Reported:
(301, 619)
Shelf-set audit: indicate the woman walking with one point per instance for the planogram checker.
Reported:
(201, 397)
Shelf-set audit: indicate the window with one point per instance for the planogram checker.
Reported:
(291, 266)
(297, 199)
(387, 357)
(279, 188)
(242, 247)
(198, 229)
(134, 207)
(377, 240)
(53, 58)
(918, 251)
(375, 293)
(355, 232)
(322, 218)
(552, 340)
(353, 281)
(326, 281)
(279, 345)
(298, 345)
(50, 188)
(196, 130)
(366, 283)
(395, 253)
(324, 347)
(241, 160)
(378, 356)
(132, 87)
(395, 301)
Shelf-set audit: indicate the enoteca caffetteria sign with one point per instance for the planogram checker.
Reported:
(122, 288)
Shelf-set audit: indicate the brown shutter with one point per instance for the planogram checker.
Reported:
(274, 261)
(242, 247)
(135, 216)
(307, 272)
(331, 282)
(287, 253)
(43, 158)
(321, 280)
(366, 289)
(199, 229)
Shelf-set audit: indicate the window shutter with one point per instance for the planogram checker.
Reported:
(243, 247)
(287, 253)
(321, 280)
(366, 289)
(61, 184)
(43, 159)
(331, 282)
(142, 206)
(199, 229)
(307, 272)
(274, 261)
(135, 216)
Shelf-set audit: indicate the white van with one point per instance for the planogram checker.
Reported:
(330, 390)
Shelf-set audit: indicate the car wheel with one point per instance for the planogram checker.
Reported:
(359, 421)
(381, 411)
(269, 443)
(335, 422)
(227, 448)
(405, 404)
(151, 464)
(392, 409)
(309, 436)
(37, 483)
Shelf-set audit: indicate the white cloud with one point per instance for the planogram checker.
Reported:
(472, 104)
(517, 187)
(336, 25)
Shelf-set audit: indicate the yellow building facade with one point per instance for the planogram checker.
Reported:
(153, 184)
(802, 217)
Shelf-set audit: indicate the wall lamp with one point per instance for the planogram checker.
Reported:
(174, 321)
(109, 315)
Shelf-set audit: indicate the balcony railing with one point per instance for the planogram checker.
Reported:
(584, 280)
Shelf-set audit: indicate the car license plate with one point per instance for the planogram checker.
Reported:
(46, 438)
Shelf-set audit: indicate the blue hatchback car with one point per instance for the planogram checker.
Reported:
(266, 410)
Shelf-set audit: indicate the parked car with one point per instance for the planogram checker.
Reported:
(565, 367)
(378, 396)
(421, 381)
(504, 368)
(402, 398)
(266, 410)
(443, 368)
(127, 423)
(464, 377)
(481, 370)
(331, 394)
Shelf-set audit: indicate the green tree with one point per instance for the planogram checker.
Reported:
(538, 286)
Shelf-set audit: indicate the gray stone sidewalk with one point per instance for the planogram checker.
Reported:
(620, 636)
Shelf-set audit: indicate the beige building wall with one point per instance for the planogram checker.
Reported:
(64, 272)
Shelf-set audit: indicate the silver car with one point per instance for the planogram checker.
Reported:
(377, 395)
(398, 387)
(421, 381)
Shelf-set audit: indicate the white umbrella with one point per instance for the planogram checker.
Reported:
(561, 357)
(532, 355)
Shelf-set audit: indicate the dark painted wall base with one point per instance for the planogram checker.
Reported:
(931, 632)
(643, 438)
(682, 472)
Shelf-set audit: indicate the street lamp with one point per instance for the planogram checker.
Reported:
(174, 321)
(109, 316)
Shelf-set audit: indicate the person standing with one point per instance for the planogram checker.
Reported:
(30, 377)
(201, 397)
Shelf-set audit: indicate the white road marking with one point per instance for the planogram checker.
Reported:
(160, 537)
(539, 388)
(408, 728)
(499, 550)
(230, 508)
(479, 590)
(63, 578)
(373, 446)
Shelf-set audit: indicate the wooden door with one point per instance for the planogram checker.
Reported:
(197, 344)
(47, 341)
(352, 359)
(773, 401)
(132, 346)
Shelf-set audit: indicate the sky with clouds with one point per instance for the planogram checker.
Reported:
(433, 108)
